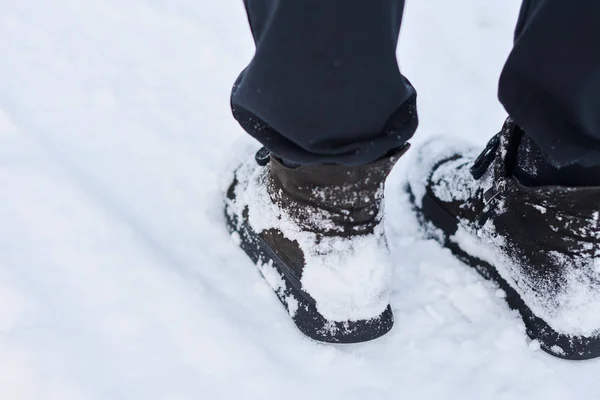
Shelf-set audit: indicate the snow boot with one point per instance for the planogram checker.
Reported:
(316, 234)
(541, 245)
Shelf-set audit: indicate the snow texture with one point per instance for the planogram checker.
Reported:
(118, 279)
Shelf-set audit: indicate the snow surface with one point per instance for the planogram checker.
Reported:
(118, 279)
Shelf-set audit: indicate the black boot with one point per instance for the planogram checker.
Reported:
(539, 244)
(315, 233)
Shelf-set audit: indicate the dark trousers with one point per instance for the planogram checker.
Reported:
(324, 85)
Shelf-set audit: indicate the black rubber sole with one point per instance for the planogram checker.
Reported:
(298, 303)
(552, 342)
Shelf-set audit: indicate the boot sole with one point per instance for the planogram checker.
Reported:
(552, 342)
(298, 303)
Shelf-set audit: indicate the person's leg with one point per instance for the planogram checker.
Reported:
(324, 85)
(524, 213)
(550, 84)
(324, 95)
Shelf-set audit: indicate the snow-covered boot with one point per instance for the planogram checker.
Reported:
(541, 245)
(316, 234)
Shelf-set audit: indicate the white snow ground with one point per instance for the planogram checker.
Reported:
(117, 277)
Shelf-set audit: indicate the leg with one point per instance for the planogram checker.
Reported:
(541, 242)
(550, 84)
(324, 85)
(324, 94)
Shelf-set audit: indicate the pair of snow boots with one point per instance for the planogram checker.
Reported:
(316, 233)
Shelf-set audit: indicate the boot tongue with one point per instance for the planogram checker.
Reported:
(500, 152)
(534, 169)
(517, 155)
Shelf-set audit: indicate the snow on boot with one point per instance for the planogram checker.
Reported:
(316, 234)
(539, 244)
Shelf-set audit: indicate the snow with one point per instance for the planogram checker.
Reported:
(118, 279)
